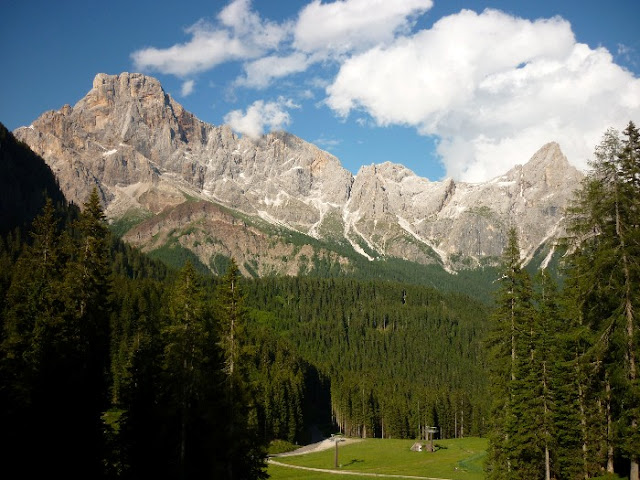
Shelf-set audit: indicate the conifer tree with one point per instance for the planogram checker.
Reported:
(29, 328)
(245, 455)
(186, 338)
(31, 289)
(509, 351)
(83, 315)
(605, 281)
(547, 368)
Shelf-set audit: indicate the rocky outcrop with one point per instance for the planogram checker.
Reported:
(147, 154)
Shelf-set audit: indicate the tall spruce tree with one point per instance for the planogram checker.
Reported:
(186, 336)
(628, 238)
(244, 450)
(546, 369)
(604, 278)
(510, 350)
(29, 329)
(84, 319)
(29, 297)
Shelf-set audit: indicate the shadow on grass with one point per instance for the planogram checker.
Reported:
(474, 463)
(352, 462)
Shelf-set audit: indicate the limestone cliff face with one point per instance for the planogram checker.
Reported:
(147, 154)
(127, 131)
(461, 220)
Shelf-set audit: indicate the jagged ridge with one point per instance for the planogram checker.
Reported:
(147, 154)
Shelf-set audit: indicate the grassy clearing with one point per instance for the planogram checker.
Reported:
(277, 472)
(129, 220)
(459, 459)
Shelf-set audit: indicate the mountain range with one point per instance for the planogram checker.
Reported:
(171, 184)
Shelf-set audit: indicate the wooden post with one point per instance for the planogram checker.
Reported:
(336, 438)
(431, 431)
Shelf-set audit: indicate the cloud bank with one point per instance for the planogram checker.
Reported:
(491, 87)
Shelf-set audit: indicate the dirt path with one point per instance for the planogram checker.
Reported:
(317, 447)
(344, 472)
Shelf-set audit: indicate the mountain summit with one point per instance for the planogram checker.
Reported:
(276, 203)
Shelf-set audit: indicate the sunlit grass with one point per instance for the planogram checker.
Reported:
(459, 459)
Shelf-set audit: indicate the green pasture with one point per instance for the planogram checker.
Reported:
(456, 459)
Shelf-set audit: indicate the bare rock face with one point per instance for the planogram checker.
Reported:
(461, 221)
(147, 154)
(128, 131)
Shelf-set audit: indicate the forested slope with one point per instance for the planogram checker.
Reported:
(25, 180)
(114, 365)
(398, 356)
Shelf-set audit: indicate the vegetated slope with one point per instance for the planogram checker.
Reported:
(192, 230)
(95, 339)
(124, 316)
(398, 356)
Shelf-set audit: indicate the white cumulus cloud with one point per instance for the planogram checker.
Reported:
(238, 34)
(207, 48)
(260, 116)
(347, 25)
(260, 73)
(247, 24)
(494, 88)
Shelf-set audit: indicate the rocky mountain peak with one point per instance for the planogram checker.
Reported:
(394, 171)
(126, 88)
(548, 167)
(148, 155)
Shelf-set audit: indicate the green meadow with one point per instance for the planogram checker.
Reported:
(455, 459)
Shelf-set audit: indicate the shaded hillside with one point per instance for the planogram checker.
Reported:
(25, 181)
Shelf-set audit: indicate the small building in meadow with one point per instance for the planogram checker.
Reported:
(417, 447)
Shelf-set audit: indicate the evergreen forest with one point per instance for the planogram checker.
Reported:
(114, 365)
(563, 362)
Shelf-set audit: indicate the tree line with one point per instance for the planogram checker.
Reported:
(564, 362)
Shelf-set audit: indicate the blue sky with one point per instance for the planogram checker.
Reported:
(448, 88)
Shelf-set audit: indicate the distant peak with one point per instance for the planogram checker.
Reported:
(549, 154)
